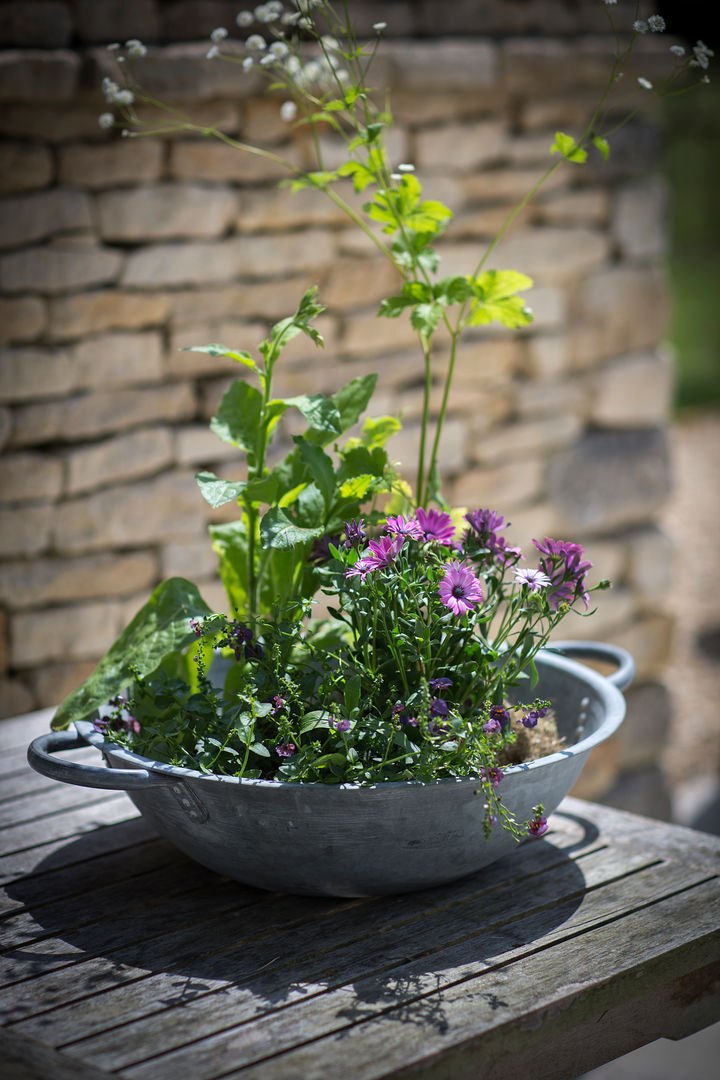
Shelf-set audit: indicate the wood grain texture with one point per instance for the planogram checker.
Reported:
(121, 957)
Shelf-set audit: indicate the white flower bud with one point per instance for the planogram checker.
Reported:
(288, 111)
(645, 83)
(106, 120)
(219, 35)
(256, 42)
(244, 18)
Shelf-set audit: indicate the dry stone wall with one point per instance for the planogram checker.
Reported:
(115, 253)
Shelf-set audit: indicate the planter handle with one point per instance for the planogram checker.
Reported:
(600, 650)
(39, 756)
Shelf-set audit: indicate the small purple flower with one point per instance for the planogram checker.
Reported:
(438, 707)
(437, 729)
(285, 749)
(530, 721)
(441, 683)
(436, 525)
(101, 724)
(459, 589)
(535, 580)
(241, 641)
(497, 712)
(538, 826)
(564, 564)
(402, 716)
(484, 528)
(399, 526)
(277, 704)
(355, 533)
(196, 627)
(382, 553)
(340, 725)
(491, 727)
(492, 775)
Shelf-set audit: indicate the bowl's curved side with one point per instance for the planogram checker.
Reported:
(357, 841)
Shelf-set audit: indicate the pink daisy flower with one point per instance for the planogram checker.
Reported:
(382, 553)
(436, 525)
(459, 590)
(399, 526)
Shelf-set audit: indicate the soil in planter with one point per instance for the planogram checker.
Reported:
(532, 743)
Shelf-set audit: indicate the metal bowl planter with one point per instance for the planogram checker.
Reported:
(349, 840)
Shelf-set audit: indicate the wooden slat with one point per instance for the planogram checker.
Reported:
(19, 731)
(410, 986)
(17, 780)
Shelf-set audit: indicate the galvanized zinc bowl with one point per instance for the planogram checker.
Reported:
(349, 840)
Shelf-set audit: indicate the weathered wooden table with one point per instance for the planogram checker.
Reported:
(122, 957)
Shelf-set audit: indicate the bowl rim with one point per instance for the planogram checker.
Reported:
(611, 697)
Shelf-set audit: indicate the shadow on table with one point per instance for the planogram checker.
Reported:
(196, 934)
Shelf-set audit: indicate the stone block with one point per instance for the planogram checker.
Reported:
(27, 532)
(619, 310)
(25, 219)
(613, 612)
(442, 64)
(633, 391)
(549, 307)
(264, 256)
(639, 223)
(555, 65)
(194, 116)
(186, 20)
(526, 438)
(262, 123)
(610, 479)
(15, 698)
(29, 477)
(552, 254)
(24, 167)
(525, 522)
(54, 124)
(332, 151)
(165, 212)
(546, 356)
(38, 75)
(117, 359)
(563, 113)
(116, 20)
(168, 265)
(506, 486)
(649, 639)
(132, 516)
(58, 268)
(100, 310)
(27, 372)
(271, 300)
(586, 207)
(651, 560)
(196, 445)
(366, 334)
(5, 427)
(117, 460)
(182, 73)
(89, 416)
(72, 632)
(643, 736)
(193, 559)
(643, 791)
(35, 583)
(481, 361)
(23, 318)
(51, 683)
(460, 147)
(107, 165)
(416, 109)
(350, 283)
(42, 24)
(207, 160)
(508, 186)
(550, 397)
(484, 223)
(233, 334)
(451, 457)
(279, 209)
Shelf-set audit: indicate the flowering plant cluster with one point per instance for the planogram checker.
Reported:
(423, 667)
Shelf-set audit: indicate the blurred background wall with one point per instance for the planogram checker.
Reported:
(115, 253)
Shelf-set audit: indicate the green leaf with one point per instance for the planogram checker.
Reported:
(511, 312)
(602, 145)
(565, 145)
(216, 491)
(425, 317)
(261, 491)
(353, 398)
(222, 350)
(362, 177)
(358, 487)
(229, 542)
(161, 627)
(320, 412)
(320, 466)
(238, 417)
(498, 284)
(377, 432)
(277, 530)
(393, 306)
(310, 508)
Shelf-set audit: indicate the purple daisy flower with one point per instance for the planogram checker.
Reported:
(399, 526)
(355, 533)
(459, 589)
(285, 749)
(340, 725)
(564, 564)
(484, 528)
(436, 525)
(382, 553)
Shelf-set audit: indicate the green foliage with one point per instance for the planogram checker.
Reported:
(568, 148)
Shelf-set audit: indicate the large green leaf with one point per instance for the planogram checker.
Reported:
(321, 414)
(218, 492)
(320, 466)
(160, 628)
(278, 530)
(241, 356)
(229, 541)
(350, 401)
(237, 418)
